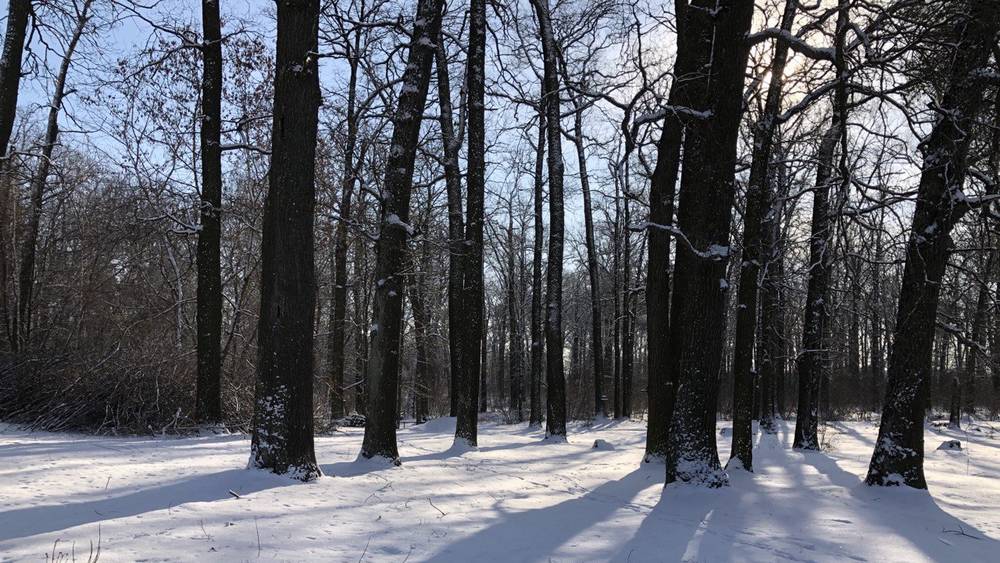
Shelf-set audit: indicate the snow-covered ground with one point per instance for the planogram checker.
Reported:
(515, 499)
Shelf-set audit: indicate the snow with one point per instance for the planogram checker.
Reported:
(515, 498)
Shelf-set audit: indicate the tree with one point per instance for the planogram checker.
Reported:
(208, 401)
(812, 362)
(755, 220)
(555, 403)
(714, 44)
(972, 27)
(537, 338)
(383, 363)
(282, 430)
(466, 428)
(26, 274)
(452, 143)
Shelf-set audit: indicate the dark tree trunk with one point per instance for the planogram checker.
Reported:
(713, 38)
(977, 346)
(361, 318)
(208, 401)
(537, 343)
(383, 363)
(628, 314)
(663, 186)
(469, 377)
(514, 354)
(483, 353)
(813, 362)
(283, 409)
(593, 267)
(10, 67)
(955, 407)
(422, 386)
(771, 341)
(754, 219)
(26, 274)
(338, 313)
(456, 224)
(555, 422)
(10, 80)
(898, 458)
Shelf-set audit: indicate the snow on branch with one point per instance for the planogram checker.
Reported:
(795, 43)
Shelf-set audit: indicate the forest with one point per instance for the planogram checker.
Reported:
(740, 245)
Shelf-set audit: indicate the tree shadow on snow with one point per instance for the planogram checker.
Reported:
(535, 534)
(29, 521)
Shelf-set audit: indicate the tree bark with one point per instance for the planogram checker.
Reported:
(282, 426)
(338, 314)
(10, 80)
(208, 401)
(899, 451)
(514, 354)
(26, 274)
(383, 363)
(555, 423)
(537, 342)
(456, 224)
(466, 428)
(593, 267)
(754, 218)
(714, 33)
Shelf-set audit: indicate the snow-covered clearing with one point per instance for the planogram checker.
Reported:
(515, 499)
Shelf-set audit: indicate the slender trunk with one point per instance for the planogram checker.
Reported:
(456, 223)
(754, 218)
(422, 383)
(338, 314)
(593, 267)
(898, 456)
(26, 275)
(282, 439)
(514, 354)
(208, 402)
(537, 344)
(771, 340)
(383, 363)
(628, 314)
(555, 423)
(663, 186)
(713, 35)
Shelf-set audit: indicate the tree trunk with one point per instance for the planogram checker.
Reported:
(663, 186)
(422, 384)
(208, 401)
(514, 354)
(537, 344)
(899, 451)
(466, 428)
(555, 423)
(713, 38)
(10, 80)
(813, 362)
(456, 224)
(628, 314)
(282, 427)
(383, 363)
(26, 275)
(755, 218)
(338, 314)
(593, 267)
